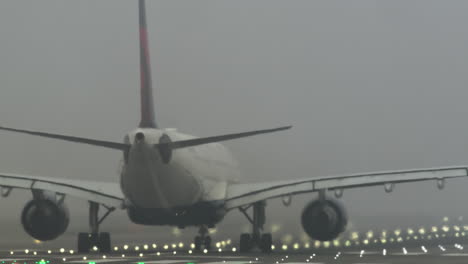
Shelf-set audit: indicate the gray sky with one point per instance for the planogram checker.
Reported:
(368, 85)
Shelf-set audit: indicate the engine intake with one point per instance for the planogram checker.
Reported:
(324, 220)
(45, 219)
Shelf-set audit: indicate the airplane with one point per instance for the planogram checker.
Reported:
(175, 179)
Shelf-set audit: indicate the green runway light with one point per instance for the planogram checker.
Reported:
(140, 263)
(91, 262)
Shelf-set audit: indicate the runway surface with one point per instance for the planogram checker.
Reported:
(451, 253)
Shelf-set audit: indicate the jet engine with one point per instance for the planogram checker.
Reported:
(324, 220)
(45, 219)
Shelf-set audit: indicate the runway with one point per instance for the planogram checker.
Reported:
(450, 253)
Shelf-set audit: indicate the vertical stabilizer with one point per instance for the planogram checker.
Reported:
(146, 89)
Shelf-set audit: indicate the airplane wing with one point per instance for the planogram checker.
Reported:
(108, 194)
(244, 194)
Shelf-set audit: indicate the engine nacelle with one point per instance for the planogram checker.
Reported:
(324, 220)
(45, 219)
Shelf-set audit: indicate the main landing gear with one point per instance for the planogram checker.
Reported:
(263, 241)
(87, 241)
(203, 239)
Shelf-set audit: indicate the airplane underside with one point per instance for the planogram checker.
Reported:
(202, 213)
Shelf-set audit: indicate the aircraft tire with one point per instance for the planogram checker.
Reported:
(84, 244)
(104, 242)
(207, 243)
(245, 243)
(198, 243)
(265, 243)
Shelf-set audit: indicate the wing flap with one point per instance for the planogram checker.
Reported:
(243, 194)
(100, 192)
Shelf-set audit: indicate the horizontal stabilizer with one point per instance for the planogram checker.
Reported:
(207, 140)
(94, 142)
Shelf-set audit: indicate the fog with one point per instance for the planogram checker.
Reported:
(367, 85)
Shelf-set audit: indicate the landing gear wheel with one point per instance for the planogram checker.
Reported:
(87, 241)
(104, 244)
(198, 243)
(245, 243)
(207, 243)
(83, 243)
(265, 243)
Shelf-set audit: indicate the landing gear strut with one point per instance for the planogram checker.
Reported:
(86, 241)
(257, 239)
(203, 239)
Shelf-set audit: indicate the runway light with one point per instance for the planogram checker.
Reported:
(422, 231)
(442, 248)
(174, 253)
(158, 253)
(205, 251)
(166, 247)
(384, 252)
(234, 249)
(284, 247)
(71, 252)
(410, 231)
(445, 228)
(26, 251)
(190, 251)
(273, 247)
(192, 246)
(35, 253)
(307, 245)
(317, 244)
(228, 242)
(125, 247)
(141, 255)
(296, 246)
(424, 249)
(123, 255)
(220, 250)
(370, 234)
(366, 242)
(181, 245)
(154, 246)
(174, 245)
(405, 251)
(84, 257)
(145, 247)
(218, 245)
(434, 229)
(116, 248)
(64, 259)
(137, 248)
(326, 244)
(362, 253)
(62, 250)
(11, 252)
(95, 248)
(397, 232)
(104, 256)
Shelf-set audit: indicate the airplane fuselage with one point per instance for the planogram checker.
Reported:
(156, 183)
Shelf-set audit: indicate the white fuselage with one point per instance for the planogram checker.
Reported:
(193, 174)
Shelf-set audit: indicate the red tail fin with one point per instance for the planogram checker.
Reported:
(146, 89)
